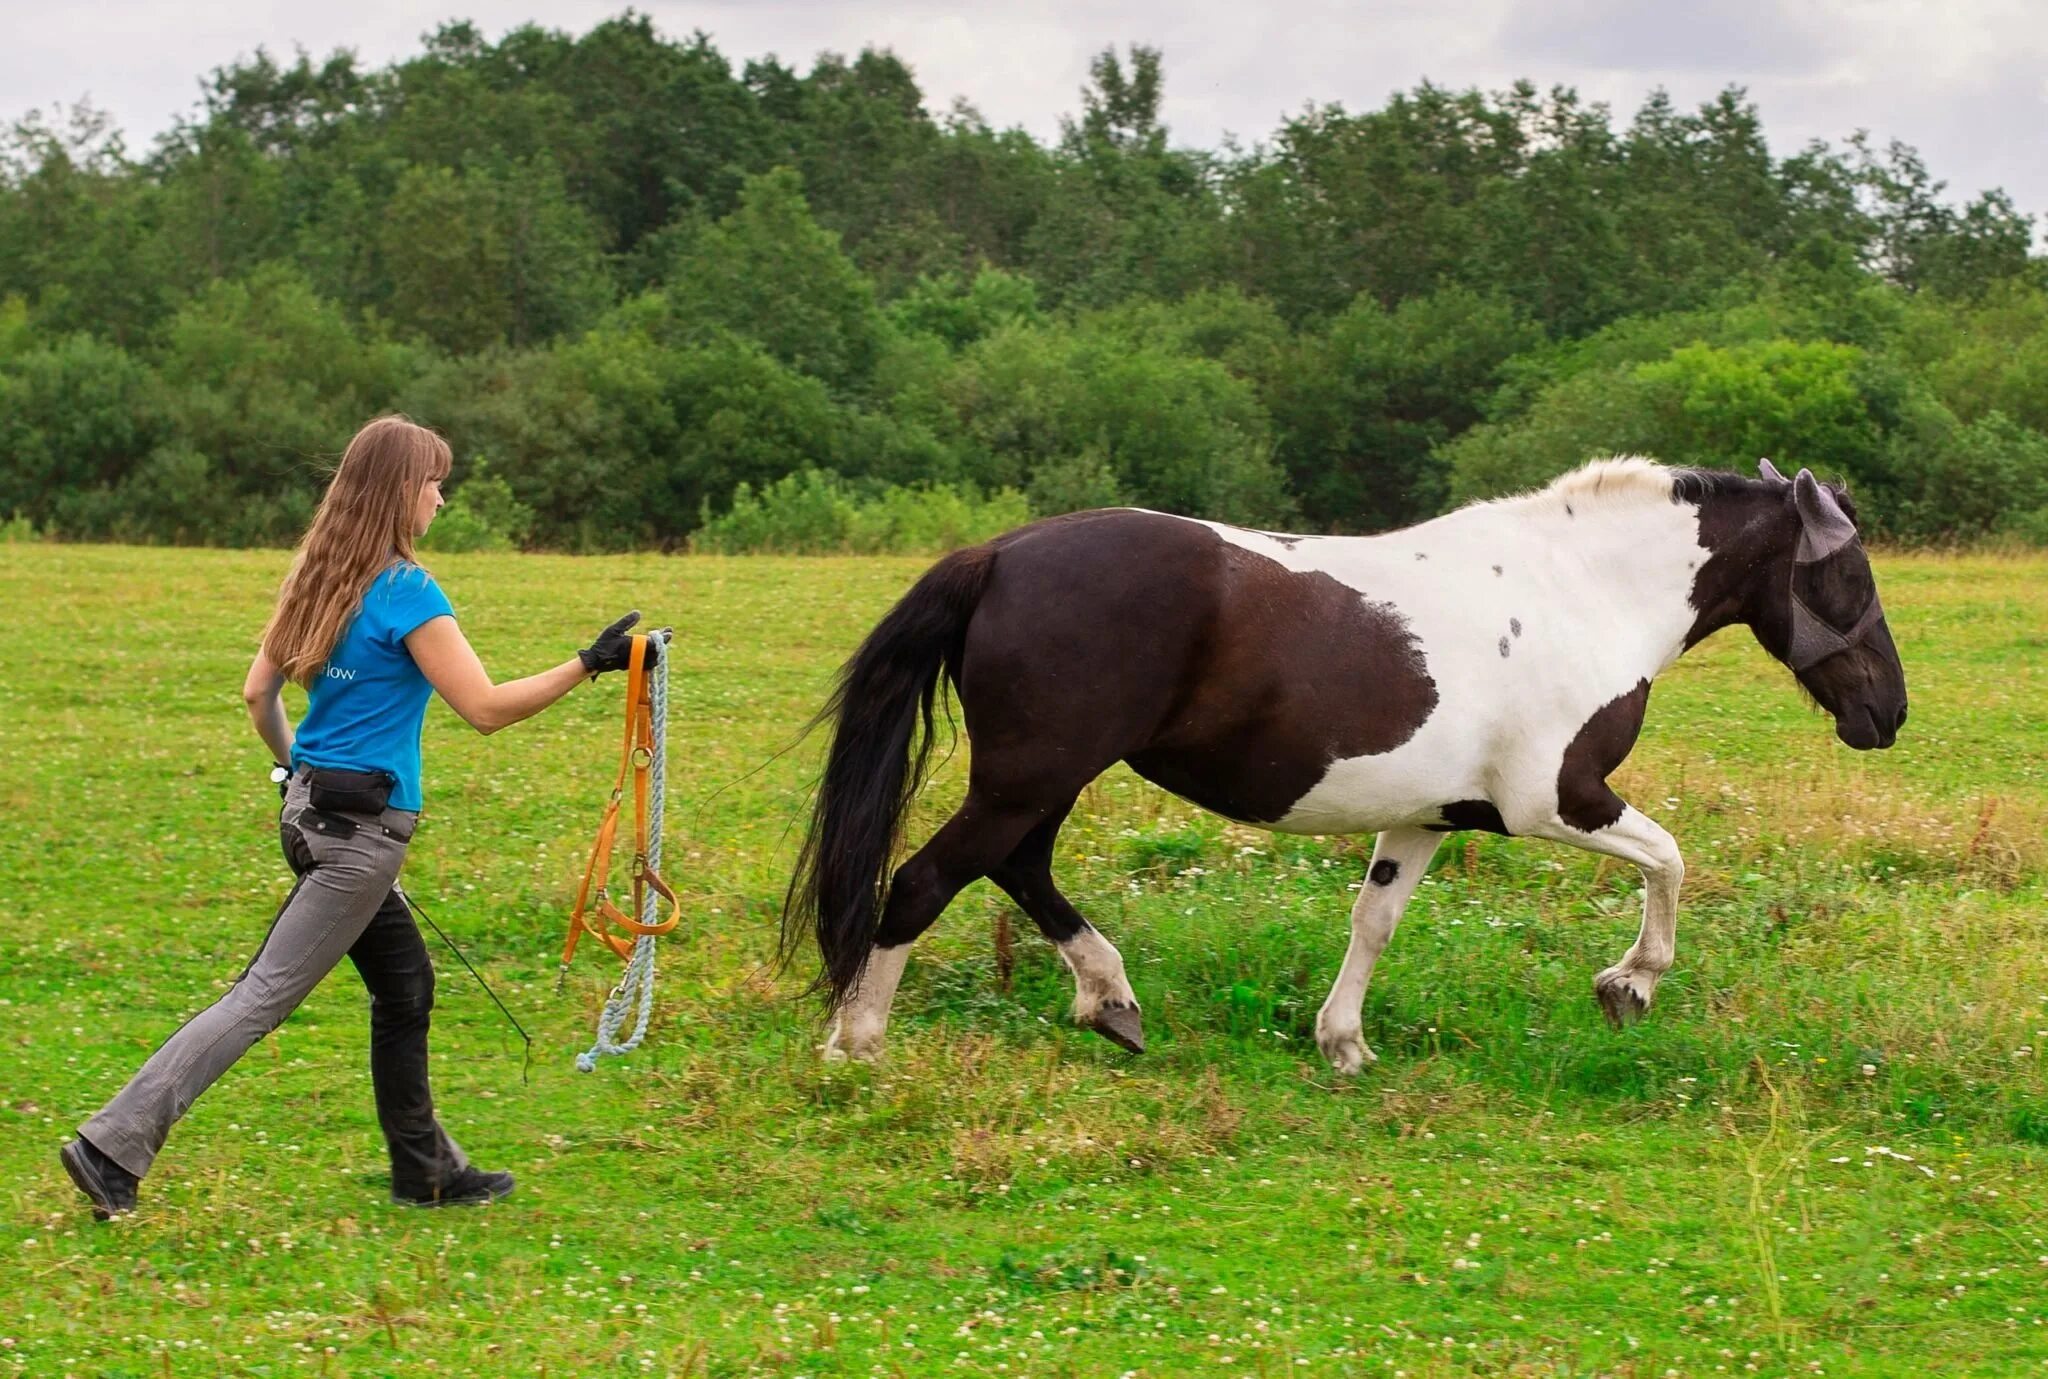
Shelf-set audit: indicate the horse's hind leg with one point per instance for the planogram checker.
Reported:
(969, 845)
(1103, 1000)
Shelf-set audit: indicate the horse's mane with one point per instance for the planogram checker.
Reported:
(1635, 479)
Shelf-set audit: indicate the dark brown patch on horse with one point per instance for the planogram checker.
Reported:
(1503, 648)
(1515, 626)
(1477, 815)
(1603, 743)
(1385, 871)
(1297, 671)
(1747, 528)
(1213, 670)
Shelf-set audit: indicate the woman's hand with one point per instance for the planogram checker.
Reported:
(613, 649)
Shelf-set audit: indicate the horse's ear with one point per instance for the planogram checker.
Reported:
(1823, 527)
(1769, 471)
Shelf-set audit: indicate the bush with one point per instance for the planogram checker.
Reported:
(17, 530)
(1988, 476)
(1177, 433)
(1823, 405)
(815, 512)
(1075, 483)
(75, 416)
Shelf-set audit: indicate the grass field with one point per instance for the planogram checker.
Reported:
(1822, 1153)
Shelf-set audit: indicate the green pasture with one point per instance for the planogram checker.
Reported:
(1823, 1153)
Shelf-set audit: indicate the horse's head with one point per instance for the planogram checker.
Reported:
(1815, 608)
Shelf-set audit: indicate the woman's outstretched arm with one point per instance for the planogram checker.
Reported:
(452, 667)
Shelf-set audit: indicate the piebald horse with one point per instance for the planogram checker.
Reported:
(1485, 670)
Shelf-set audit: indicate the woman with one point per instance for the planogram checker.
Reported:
(369, 635)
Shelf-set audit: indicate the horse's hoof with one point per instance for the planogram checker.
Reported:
(1121, 1026)
(842, 1047)
(1348, 1055)
(1619, 1000)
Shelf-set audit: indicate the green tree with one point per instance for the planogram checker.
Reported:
(1177, 432)
(769, 272)
(1128, 215)
(1365, 403)
(474, 259)
(960, 312)
(262, 375)
(76, 416)
(222, 207)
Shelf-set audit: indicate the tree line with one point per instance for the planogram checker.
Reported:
(639, 289)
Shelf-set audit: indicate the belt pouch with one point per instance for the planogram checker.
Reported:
(350, 792)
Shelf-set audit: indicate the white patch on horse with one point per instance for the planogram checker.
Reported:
(1614, 574)
(863, 1017)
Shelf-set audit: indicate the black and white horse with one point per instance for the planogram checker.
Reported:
(1485, 670)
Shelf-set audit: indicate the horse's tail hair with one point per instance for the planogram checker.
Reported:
(875, 766)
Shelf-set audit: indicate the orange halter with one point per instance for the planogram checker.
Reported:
(637, 756)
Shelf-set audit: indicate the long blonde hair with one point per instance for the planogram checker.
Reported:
(364, 522)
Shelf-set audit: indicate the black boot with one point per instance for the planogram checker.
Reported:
(470, 1187)
(110, 1186)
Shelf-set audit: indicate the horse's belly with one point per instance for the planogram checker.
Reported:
(1368, 794)
(1361, 794)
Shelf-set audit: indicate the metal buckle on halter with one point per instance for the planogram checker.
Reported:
(642, 758)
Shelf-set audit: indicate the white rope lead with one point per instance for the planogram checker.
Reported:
(636, 985)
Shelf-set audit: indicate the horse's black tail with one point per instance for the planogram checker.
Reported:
(872, 772)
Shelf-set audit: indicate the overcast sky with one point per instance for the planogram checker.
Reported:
(1964, 81)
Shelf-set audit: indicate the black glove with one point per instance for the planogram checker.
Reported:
(613, 648)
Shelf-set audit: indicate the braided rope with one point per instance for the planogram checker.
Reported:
(636, 984)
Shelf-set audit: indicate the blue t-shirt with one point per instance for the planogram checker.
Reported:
(365, 709)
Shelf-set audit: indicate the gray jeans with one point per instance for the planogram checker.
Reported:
(344, 903)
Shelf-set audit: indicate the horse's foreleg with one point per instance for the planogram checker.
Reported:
(1624, 990)
(1399, 858)
(1103, 999)
(976, 839)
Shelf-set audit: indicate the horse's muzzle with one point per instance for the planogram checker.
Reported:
(1868, 727)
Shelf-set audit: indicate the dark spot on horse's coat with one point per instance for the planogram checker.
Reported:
(1422, 555)
(1384, 871)
(1480, 815)
(1568, 511)
(1515, 626)
(1601, 744)
(1503, 648)
(1496, 569)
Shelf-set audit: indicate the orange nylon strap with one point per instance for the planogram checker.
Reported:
(636, 756)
